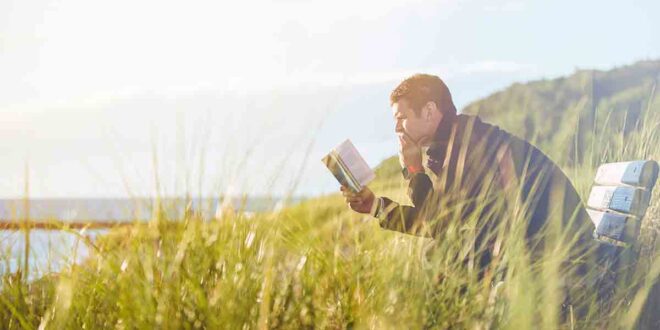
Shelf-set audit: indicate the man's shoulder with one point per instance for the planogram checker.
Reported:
(491, 136)
(476, 124)
(480, 131)
(491, 131)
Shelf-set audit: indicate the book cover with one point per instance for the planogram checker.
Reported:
(348, 166)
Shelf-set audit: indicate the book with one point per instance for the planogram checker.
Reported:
(348, 167)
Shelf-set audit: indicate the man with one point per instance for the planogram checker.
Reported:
(462, 170)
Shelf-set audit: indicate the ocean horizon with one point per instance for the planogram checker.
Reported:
(54, 250)
(130, 209)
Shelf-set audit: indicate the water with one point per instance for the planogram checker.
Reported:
(50, 251)
(53, 250)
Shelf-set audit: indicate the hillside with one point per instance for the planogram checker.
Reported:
(566, 111)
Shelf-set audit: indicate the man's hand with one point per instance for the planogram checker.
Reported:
(410, 154)
(361, 202)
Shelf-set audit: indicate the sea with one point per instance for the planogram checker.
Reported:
(53, 250)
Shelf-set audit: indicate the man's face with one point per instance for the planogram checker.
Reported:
(418, 128)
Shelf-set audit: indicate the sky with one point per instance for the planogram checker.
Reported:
(136, 98)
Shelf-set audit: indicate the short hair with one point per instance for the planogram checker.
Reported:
(422, 88)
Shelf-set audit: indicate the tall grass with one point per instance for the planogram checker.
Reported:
(319, 265)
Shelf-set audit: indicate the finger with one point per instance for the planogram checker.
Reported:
(355, 206)
(349, 193)
(403, 143)
(409, 142)
(351, 197)
(354, 200)
(407, 138)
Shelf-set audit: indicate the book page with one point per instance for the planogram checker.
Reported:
(357, 166)
(339, 171)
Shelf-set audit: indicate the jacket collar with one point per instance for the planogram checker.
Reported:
(438, 147)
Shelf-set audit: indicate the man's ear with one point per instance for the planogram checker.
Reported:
(428, 109)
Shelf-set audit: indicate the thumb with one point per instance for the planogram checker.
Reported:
(401, 160)
(409, 141)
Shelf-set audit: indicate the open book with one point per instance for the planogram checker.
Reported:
(348, 166)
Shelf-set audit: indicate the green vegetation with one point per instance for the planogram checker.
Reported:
(567, 117)
(318, 265)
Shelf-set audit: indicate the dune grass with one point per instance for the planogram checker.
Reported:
(318, 265)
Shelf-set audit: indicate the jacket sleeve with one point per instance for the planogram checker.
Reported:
(404, 218)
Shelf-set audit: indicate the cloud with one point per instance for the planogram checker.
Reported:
(496, 66)
(446, 70)
(505, 7)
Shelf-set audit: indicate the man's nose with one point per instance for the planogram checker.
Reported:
(398, 128)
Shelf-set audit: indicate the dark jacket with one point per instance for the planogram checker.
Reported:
(465, 181)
